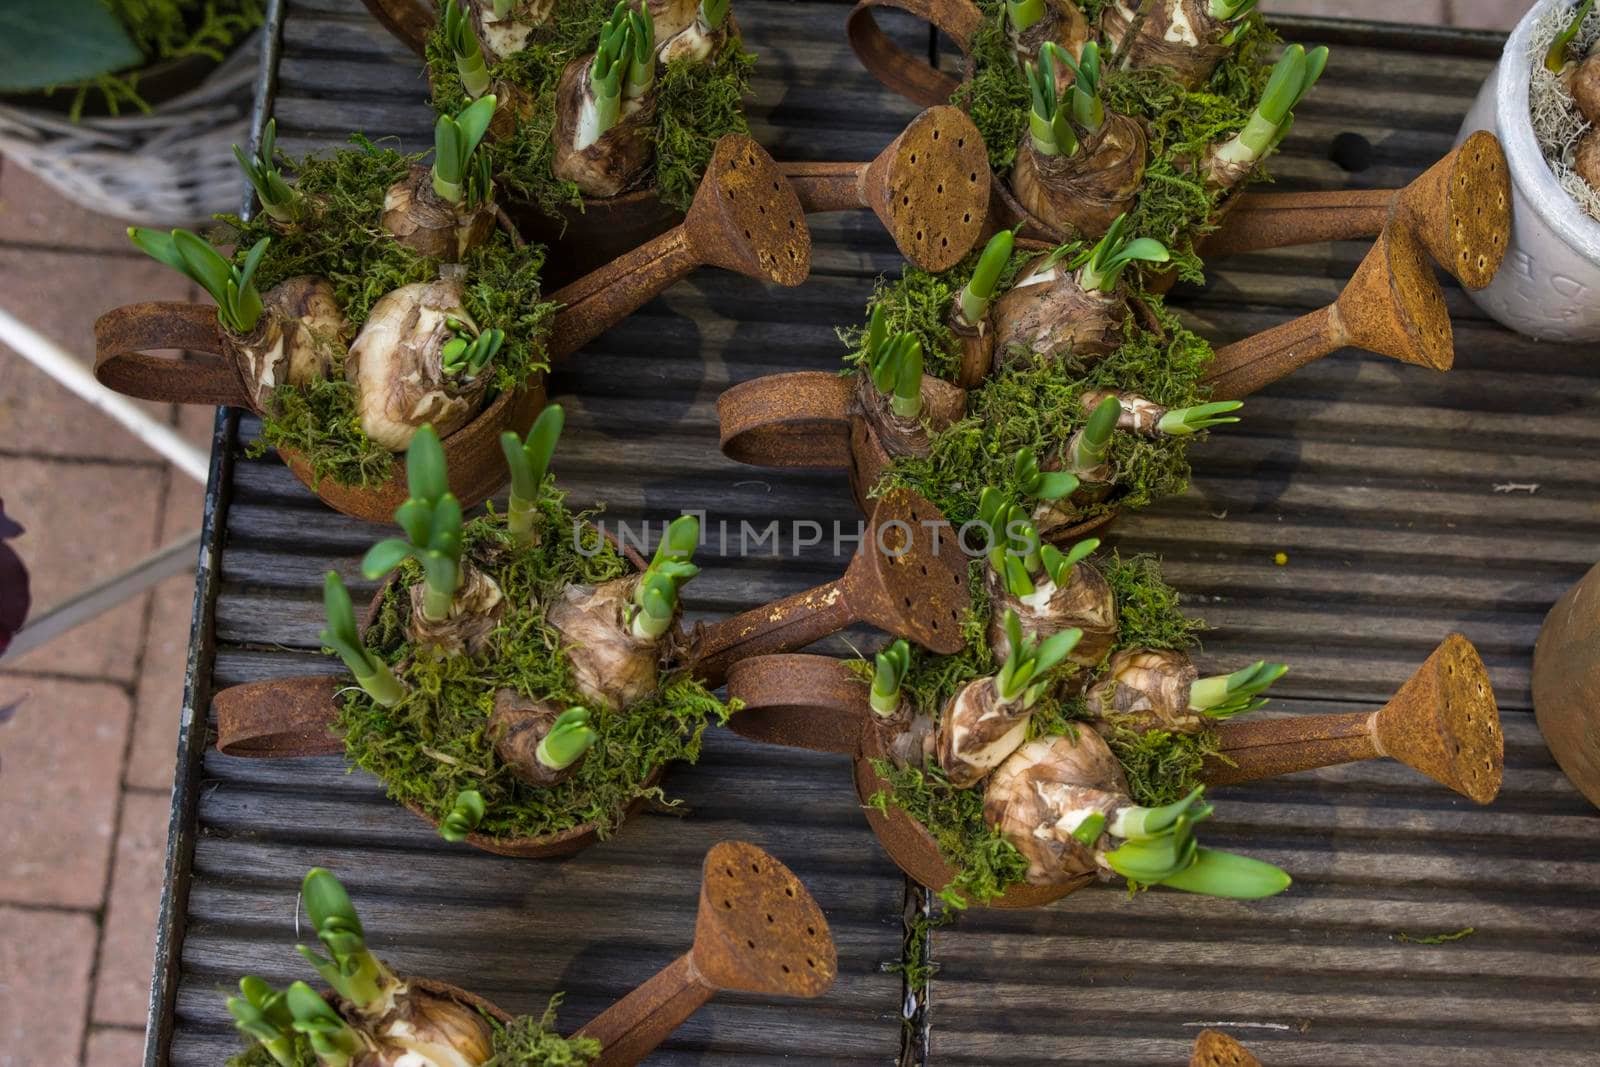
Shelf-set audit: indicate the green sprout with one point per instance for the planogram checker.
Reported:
(1014, 546)
(1091, 445)
(1160, 849)
(1058, 564)
(1555, 58)
(1025, 674)
(1227, 695)
(431, 519)
(1041, 485)
(713, 12)
(642, 53)
(461, 174)
(464, 48)
(1181, 422)
(278, 198)
(464, 816)
(261, 1012)
(655, 598)
(372, 674)
(1100, 268)
(889, 671)
(1232, 11)
(352, 971)
(528, 462)
(464, 356)
(1295, 73)
(334, 1041)
(979, 291)
(1084, 94)
(503, 8)
(613, 58)
(233, 288)
(569, 738)
(896, 368)
(1024, 13)
(1048, 125)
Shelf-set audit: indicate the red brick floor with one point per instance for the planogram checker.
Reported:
(87, 761)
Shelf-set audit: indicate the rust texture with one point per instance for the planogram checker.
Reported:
(907, 577)
(911, 76)
(757, 931)
(477, 466)
(411, 21)
(1443, 723)
(1213, 1048)
(123, 337)
(800, 701)
(929, 187)
(1566, 684)
(585, 238)
(744, 218)
(1392, 306)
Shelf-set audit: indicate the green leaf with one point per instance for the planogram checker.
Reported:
(336, 604)
(1224, 874)
(473, 123)
(426, 475)
(384, 557)
(44, 43)
(1056, 485)
(159, 247)
(205, 263)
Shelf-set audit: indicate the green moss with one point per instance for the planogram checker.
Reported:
(1172, 206)
(697, 104)
(986, 864)
(433, 744)
(1148, 614)
(534, 1042)
(347, 245)
(1161, 766)
(257, 1055)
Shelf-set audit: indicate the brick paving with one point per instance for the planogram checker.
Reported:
(87, 760)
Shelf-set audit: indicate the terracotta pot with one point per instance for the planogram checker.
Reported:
(124, 337)
(1443, 723)
(1566, 684)
(286, 717)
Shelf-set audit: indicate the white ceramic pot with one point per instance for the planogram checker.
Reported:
(1549, 284)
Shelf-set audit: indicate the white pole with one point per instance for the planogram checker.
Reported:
(59, 364)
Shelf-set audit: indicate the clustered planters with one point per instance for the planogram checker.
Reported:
(523, 683)
(368, 1015)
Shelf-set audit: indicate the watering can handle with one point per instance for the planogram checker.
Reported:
(802, 701)
(788, 420)
(123, 337)
(279, 717)
(911, 77)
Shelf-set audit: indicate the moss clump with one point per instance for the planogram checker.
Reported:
(697, 104)
(1148, 613)
(1162, 766)
(1172, 207)
(258, 1056)
(1158, 764)
(1038, 406)
(347, 244)
(434, 743)
(533, 1042)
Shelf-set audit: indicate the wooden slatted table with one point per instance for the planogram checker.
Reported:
(1383, 485)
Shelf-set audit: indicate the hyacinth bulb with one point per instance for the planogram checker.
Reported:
(610, 665)
(397, 363)
(1146, 689)
(300, 334)
(1041, 794)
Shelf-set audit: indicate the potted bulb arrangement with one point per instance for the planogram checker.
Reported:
(368, 1015)
(1162, 111)
(1056, 354)
(606, 115)
(1542, 102)
(520, 681)
(1073, 738)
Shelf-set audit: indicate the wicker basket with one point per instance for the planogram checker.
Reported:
(170, 167)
